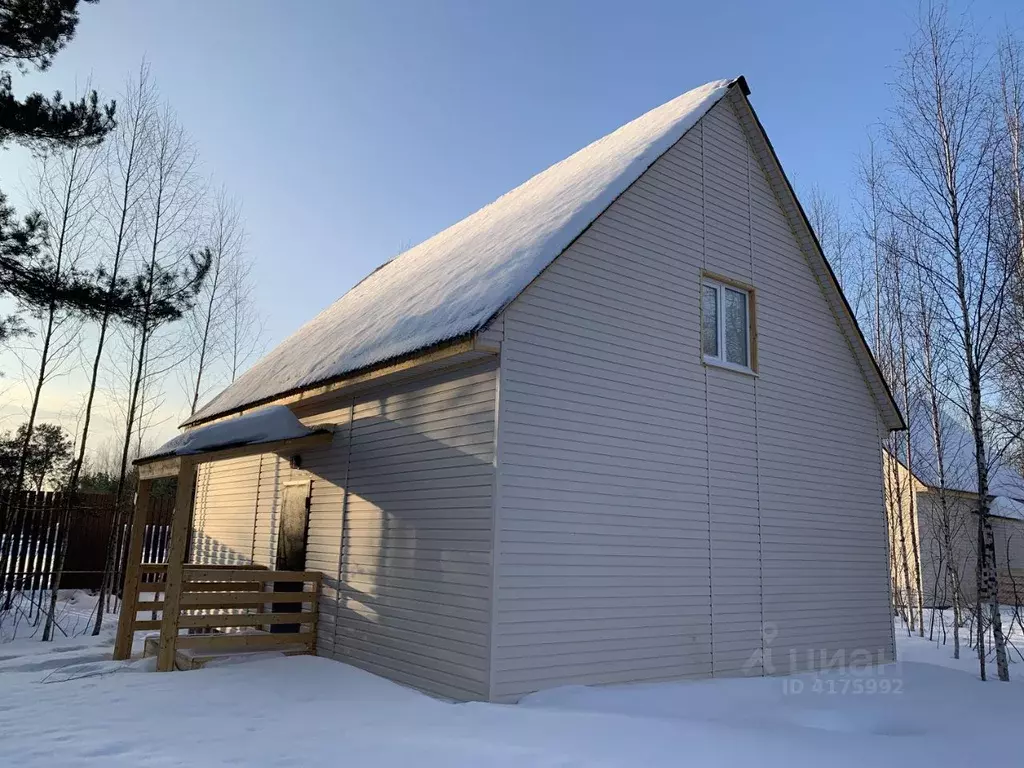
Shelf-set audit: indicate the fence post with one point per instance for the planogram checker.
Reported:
(130, 591)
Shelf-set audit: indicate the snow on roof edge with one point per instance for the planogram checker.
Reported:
(196, 419)
(1006, 484)
(264, 425)
(572, 194)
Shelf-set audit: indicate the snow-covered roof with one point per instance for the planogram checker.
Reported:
(454, 283)
(1005, 483)
(264, 425)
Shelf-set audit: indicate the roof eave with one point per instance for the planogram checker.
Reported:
(447, 347)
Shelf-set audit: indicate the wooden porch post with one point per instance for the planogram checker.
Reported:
(181, 520)
(130, 595)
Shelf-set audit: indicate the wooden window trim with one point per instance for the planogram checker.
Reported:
(752, 356)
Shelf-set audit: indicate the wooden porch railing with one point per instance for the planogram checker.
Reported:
(228, 608)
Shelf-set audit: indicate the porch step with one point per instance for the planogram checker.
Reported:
(188, 658)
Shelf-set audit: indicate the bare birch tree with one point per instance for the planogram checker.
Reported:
(839, 242)
(125, 187)
(1011, 97)
(947, 524)
(871, 175)
(881, 296)
(246, 327)
(901, 497)
(117, 218)
(170, 274)
(943, 146)
(899, 341)
(66, 197)
(209, 324)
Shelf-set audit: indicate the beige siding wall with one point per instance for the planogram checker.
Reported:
(907, 523)
(961, 519)
(223, 529)
(1009, 539)
(935, 555)
(399, 524)
(273, 472)
(824, 545)
(326, 472)
(404, 495)
(652, 512)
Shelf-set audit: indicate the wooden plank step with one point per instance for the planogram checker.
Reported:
(189, 658)
(261, 641)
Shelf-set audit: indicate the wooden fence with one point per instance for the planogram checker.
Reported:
(31, 539)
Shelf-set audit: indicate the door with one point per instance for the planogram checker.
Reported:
(291, 546)
(291, 535)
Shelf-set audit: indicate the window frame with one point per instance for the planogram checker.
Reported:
(720, 285)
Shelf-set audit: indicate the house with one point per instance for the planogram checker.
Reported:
(934, 520)
(619, 425)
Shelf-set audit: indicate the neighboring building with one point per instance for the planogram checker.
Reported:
(934, 520)
(619, 425)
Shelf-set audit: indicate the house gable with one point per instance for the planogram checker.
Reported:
(655, 514)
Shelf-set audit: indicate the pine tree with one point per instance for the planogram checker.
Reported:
(32, 32)
(49, 457)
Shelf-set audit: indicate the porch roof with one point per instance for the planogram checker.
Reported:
(273, 429)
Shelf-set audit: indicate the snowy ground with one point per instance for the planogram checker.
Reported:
(65, 704)
(938, 625)
(73, 616)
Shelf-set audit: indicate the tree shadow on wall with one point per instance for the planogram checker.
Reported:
(415, 574)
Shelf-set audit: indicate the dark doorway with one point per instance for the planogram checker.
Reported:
(291, 547)
(291, 537)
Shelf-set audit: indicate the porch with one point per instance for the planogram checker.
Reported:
(200, 611)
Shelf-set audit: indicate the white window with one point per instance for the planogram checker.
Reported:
(725, 325)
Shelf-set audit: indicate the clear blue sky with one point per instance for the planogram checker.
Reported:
(353, 130)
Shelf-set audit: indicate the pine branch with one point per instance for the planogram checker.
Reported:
(44, 122)
(32, 32)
